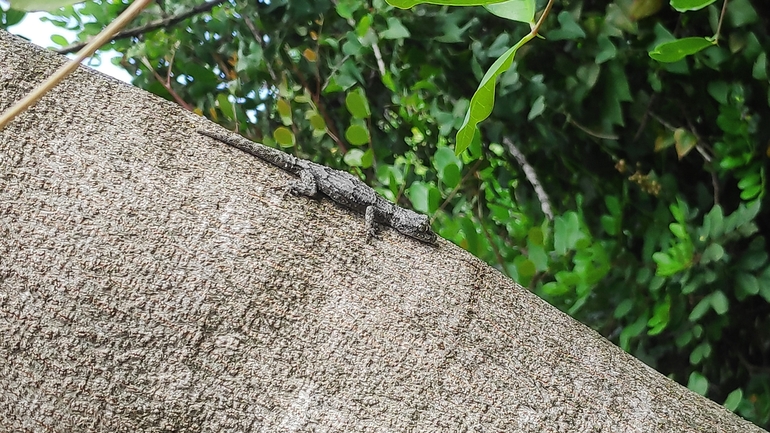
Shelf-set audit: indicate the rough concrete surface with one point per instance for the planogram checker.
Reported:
(153, 280)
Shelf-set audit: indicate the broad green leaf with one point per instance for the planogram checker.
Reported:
(527, 269)
(712, 253)
(514, 10)
(623, 308)
(690, 5)
(719, 302)
(678, 230)
(555, 288)
(607, 49)
(669, 52)
(284, 137)
(406, 4)
(450, 175)
(660, 317)
(357, 104)
(41, 5)
(698, 383)
(644, 8)
(702, 351)
(759, 71)
(395, 30)
(747, 283)
(733, 399)
(357, 135)
(354, 158)
(685, 142)
(425, 197)
(11, 17)
(537, 108)
(284, 110)
(444, 157)
(566, 232)
(472, 240)
(716, 222)
(568, 29)
(317, 122)
(59, 40)
(700, 309)
(484, 98)
(632, 331)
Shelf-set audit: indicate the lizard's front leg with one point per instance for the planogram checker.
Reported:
(371, 216)
(306, 185)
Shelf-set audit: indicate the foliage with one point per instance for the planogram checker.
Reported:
(655, 172)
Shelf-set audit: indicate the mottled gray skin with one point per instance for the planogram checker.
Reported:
(340, 186)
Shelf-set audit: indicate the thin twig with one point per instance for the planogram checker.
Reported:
(721, 18)
(590, 131)
(66, 69)
(166, 22)
(258, 37)
(529, 173)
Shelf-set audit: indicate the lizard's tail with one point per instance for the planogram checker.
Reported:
(268, 154)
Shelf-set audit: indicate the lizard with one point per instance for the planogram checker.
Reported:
(340, 186)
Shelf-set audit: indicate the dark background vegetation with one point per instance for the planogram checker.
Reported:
(655, 173)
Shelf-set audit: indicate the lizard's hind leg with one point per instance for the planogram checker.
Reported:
(306, 185)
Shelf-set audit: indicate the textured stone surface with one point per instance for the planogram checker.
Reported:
(152, 280)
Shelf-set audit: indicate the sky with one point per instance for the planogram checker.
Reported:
(40, 32)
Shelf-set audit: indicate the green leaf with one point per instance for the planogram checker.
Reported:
(354, 158)
(566, 232)
(712, 253)
(690, 5)
(716, 222)
(660, 317)
(283, 107)
(555, 289)
(357, 105)
(733, 400)
(11, 17)
(537, 108)
(632, 331)
(669, 52)
(700, 309)
(719, 302)
(450, 175)
(623, 308)
(357, 135)
(443, 158)
(701, 352)
(284, 137)
(698, 383)
(747, 283)
(685, 142)
(759, 71)
(484, 98)
(568, 29)
(395, 30)
(678, 230)
(425, 197)
(514, 10)
(59, 40)
(607, 49)
(406, 4)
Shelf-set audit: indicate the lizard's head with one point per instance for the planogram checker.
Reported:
(415, 225)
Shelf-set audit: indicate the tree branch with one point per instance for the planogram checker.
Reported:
(166, 22)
